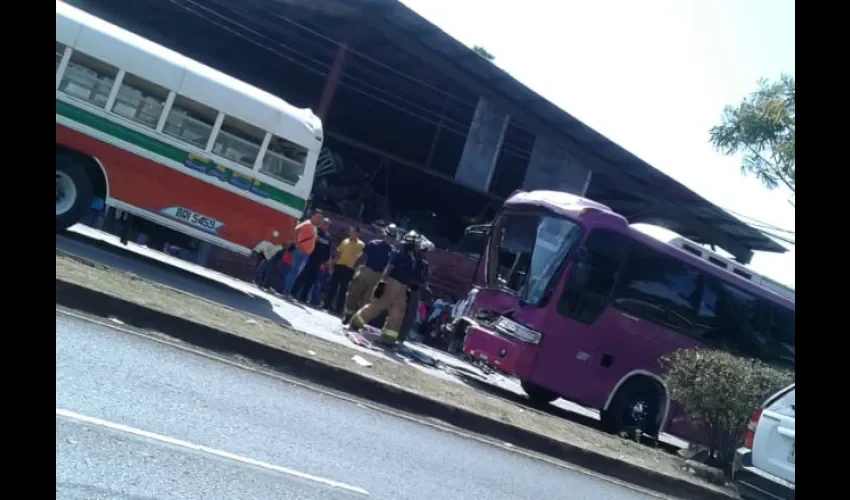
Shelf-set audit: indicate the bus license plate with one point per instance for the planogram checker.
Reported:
(791, 453)
(193, 218)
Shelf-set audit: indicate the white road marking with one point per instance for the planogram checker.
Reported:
(204, 449)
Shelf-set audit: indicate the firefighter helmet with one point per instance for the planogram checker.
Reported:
(411, 237)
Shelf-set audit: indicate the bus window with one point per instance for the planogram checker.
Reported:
(782, 334)
(284, 160)
(660, 289)
(556, 236)
(743, 323)
(238, 141)
(190, 121)
(60, 51)
(510, 259)
(88, 79)
(140, 100)
(592, 280)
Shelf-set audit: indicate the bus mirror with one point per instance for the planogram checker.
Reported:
(479, 231)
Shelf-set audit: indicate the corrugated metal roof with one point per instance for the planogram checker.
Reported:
(636, 176)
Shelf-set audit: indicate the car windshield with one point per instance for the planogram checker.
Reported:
(530, 251)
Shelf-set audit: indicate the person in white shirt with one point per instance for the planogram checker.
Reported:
(265, 252)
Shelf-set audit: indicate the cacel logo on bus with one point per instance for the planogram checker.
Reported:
(224, 174)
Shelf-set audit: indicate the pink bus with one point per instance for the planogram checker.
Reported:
(578, 304)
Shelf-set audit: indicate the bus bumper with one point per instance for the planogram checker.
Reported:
(511, 356)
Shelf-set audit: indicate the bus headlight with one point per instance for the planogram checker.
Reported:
(518, 331)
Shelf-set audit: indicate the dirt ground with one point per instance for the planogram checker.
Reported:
(172, 301)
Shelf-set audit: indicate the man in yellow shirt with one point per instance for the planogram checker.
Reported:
(348, 253)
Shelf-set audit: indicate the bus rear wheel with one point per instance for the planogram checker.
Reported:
(635, 408)
(538, 394)
(74, 192)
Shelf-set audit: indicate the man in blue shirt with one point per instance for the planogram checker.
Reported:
(376, 256)
(395, 279)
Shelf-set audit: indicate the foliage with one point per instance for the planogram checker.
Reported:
(763, 128)
(719, 391)
(481, 51)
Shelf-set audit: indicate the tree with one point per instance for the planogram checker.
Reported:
(763, 128)
(481, 51)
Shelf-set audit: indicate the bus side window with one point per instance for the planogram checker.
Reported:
(742, 324)
(238, 141)
(190, 121)
(284, 160)
(782, 334)
(660, 289)
(140, 100)
(88, 79)
(588, 290)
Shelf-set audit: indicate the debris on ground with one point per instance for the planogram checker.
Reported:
(361, 361)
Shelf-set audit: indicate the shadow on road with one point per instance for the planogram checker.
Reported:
(525, 402)
(162, 273)
(550, 409)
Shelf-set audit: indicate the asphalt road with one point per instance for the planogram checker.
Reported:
(137, 419)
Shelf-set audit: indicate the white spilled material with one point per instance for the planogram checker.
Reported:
(360, 360)
(204, 449)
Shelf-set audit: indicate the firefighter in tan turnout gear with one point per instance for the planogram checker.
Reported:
(376, 255)
(391, 291)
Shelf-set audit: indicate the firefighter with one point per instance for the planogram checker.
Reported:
(376, 255)
(418, 282)
(391, 291)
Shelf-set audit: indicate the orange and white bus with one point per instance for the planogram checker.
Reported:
(174, 142)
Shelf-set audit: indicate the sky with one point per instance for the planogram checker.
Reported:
(651, 75)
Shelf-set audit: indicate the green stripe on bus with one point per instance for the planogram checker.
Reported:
(176, 154)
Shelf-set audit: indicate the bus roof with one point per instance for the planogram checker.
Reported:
(557, 201)
(150, 61)
(571, 206)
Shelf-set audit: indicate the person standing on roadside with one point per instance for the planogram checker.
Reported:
(265, 253)
(376, 256)
(417, 282)
(348, 253)
(320, 256)
(391, 292)
(305, 241)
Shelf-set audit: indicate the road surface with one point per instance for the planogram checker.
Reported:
(137, 419)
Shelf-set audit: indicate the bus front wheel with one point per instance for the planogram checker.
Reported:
(74, 192)
(538, 394)
(635, 407)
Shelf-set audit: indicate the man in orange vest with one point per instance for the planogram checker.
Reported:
(305, 242)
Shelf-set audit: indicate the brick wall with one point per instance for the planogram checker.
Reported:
(451, 272)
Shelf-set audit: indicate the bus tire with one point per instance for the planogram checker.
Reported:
(538, 394)
(635, 407)
(74, 192)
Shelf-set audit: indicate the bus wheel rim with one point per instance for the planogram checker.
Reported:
(66, 193)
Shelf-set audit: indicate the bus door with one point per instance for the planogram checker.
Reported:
(573, 354)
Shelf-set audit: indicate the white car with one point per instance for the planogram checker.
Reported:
(764, 468)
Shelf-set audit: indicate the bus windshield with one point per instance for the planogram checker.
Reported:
(531, 249)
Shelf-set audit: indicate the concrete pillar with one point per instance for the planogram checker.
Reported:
(483, 143)
(332, 82)
(552, 167)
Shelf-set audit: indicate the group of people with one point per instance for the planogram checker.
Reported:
(298, 269)
(370, 283)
